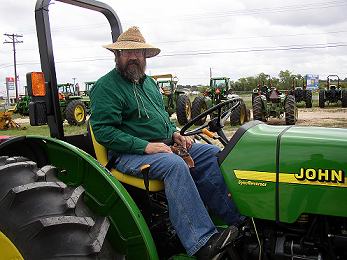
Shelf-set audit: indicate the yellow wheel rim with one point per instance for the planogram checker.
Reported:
(79, 113)
(242, 115)
(188, 110)
(8, 249)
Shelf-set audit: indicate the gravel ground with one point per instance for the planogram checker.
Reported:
(327, 117)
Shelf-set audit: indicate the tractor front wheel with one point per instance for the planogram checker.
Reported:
(42, 218)
(290, 110)
(199, 106)
(258, 113)
(183, 109)
(76, 112)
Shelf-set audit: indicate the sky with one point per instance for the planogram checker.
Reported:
(235, 39)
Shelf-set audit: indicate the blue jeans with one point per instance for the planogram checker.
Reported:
(187, 192)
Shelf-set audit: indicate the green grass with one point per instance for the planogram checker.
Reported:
(26, 129)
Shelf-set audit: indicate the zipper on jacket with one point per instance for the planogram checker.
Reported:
(160, 113)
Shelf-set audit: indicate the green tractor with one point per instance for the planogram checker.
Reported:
(219, 90)
(333, 92)
(58, 202)
(87, 87)
(175, 101)
(22, 106)
(269, 102)
(74, 107)
(301, 94)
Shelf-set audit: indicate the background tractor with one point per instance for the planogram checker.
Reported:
(75, 104)
(58, 202)
(301, 93)
(269, 102)
(219, 90)
(74, 107)
(22, 106)
(87, 87)
(175, 101)
(332, 92)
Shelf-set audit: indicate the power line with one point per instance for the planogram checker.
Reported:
(251, 37)
(279, 48)
(14, 39)
(63, 43)
(259, 11)
(208, 52)
(213, 15)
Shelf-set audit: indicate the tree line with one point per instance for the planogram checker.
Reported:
(284, 81)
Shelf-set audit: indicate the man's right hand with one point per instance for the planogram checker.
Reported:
(157, 148)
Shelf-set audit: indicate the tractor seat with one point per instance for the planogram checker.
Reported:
(101, 156)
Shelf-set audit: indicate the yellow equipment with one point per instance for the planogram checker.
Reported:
(6, 121)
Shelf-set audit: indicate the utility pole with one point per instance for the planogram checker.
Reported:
(14, 39)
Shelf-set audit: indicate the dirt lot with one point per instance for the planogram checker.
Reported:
(327, 117)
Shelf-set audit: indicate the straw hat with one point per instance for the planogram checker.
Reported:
(132, 39)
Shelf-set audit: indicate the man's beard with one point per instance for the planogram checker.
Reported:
(133, 70)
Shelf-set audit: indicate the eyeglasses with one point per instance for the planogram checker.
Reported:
(128, 53)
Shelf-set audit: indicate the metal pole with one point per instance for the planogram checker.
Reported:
(8, 96)
(14, 40)
(15, 69)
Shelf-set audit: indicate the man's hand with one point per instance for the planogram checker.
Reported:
(157, 148)
(185, 141)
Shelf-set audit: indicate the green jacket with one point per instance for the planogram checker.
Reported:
(126, 116)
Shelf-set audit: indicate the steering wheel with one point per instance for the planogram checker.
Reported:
(216, 124)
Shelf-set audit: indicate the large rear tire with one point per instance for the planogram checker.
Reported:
(321, 98)
(239, 115)
(183, 109)
(199, 105)
(344, 98)
(290, 110)
(45, 219)
(258, 111)
(308, 98)
(76, 112)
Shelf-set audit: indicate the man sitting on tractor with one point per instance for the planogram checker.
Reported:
(129, 119)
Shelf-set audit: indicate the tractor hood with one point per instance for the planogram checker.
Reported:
(281, 172)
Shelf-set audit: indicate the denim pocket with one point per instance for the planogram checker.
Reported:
(122, 167)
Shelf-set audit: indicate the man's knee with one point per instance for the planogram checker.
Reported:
(174, 164)
(212, 149)
(177, 161)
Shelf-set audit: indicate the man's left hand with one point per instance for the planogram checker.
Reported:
(185, 141)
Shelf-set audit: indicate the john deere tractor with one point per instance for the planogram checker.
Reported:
(333, 92)
(74, 107)
(175, 101)
(22, 106)
(219, 90)
(74, 104)
(58, 202)
(269, 102)
(301, 93)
